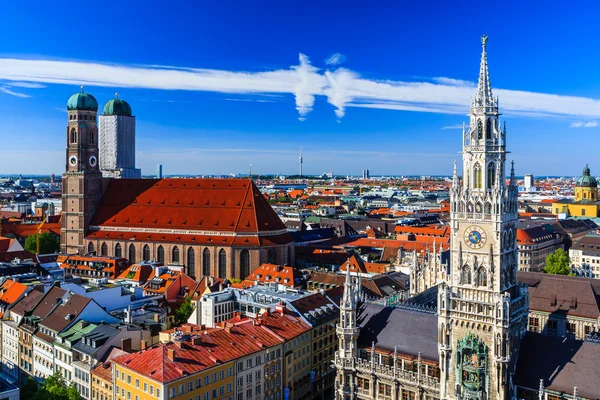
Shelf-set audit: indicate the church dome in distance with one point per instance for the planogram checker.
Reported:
(117, 106)
(82, 101)
(586, 180)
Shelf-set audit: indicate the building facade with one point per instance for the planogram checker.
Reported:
(585, 203)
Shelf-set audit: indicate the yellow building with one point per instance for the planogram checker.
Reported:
(173, 371)
(585, 203)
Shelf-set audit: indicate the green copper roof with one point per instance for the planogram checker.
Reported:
(82, 101)
(586, 180)
(117, 106)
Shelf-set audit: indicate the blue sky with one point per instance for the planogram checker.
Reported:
(216, 86)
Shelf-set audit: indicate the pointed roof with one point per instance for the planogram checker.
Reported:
(484, 89)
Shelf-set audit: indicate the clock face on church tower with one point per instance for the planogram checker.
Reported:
(475, 237)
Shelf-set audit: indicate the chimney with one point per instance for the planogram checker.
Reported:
(197, 340)
(171, 354)
(143, 345)
(126, 344)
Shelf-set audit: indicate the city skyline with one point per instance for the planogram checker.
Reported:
(323, 95)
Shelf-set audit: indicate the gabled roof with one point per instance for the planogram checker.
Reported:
(565, 295)
(224, 205)
(27, 303)
(282, 274)
(357, 264)
(411, 332)
(47, 303)
(68, 309)
(11, 291)
(316, 308)
(104, 369)
(562, 363)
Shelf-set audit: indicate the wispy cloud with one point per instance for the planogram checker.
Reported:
(457, 126)
(8, 91)
(28, 85)
(454, 82)
(579, 124)
(342, 87)
(336, 59)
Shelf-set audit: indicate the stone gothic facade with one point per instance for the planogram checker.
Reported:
(468, 349)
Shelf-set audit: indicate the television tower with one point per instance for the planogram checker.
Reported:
(300, 160)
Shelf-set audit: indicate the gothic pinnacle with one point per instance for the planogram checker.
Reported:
(484, 97)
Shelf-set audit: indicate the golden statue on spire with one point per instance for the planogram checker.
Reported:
(484, 40)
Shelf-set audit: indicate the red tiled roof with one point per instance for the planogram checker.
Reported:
(229, 205)
(11, 291)
(358, 265)
(203, 350)
(104, 369)
(137, 273)
(282, 274)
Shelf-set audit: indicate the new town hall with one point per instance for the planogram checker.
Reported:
(459, 339)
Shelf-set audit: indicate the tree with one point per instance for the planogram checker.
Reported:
(184, 311)
(54, 388)
(558, 263)
(49, 243)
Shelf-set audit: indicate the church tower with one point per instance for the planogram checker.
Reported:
(482, 310)
(347, 332)
(82, 180)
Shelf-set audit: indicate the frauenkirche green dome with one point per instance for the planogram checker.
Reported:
(82, 101)
(586, 180)
(117, 106)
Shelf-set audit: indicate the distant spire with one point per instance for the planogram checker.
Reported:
(541, 390)
(349, 298)
(512, 172)
(82, 89)
(300, 159)
(484, 96)
(455, 175)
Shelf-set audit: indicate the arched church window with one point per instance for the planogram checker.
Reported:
(206, 262)
(488, 129)
(244, 263)
(478, 208)
(91, 137)
(466, 275)
(104, 249)
(482, 277)
(491, 175)
(175, 255)
(118, 250)
(73, 135)
(488, 208)
(477, 178)
(160, 254)
(222, 264)
(146, 253)
(91, 247)
(191, 262)
(479, 130)
(132, 253)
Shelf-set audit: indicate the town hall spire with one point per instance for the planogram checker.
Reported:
(484, 97)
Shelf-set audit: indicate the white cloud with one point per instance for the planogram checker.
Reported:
(28, 85)
(454, 82)
(336, 59)
(579, 124)
(456, 126)
(342, 87)
(8, 91)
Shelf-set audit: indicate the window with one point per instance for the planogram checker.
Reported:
(244, 264)
(466, 275)
(222, 264)
(491, 175)
(257, 375)
(190, 386)
(482, 277)
(198, 383)
(73, 135)
(118, 251)
(271, 256)
(488, 129)
(479, 130)
(552, 326)
(249, 363)
(191, 262)
(534, 324)
(145, 387)
(104, 249)
(249, 378)
(175, 255)
(91, 247)
(571, 328)
(91, 137)
(137, 383)
(258, 360)
(146, 253)
(477, 176)
(160, 254)
(583, 211)
(132, 253)
(206, 262)
(206, 380)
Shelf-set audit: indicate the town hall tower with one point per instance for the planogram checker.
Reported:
(482, 310)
